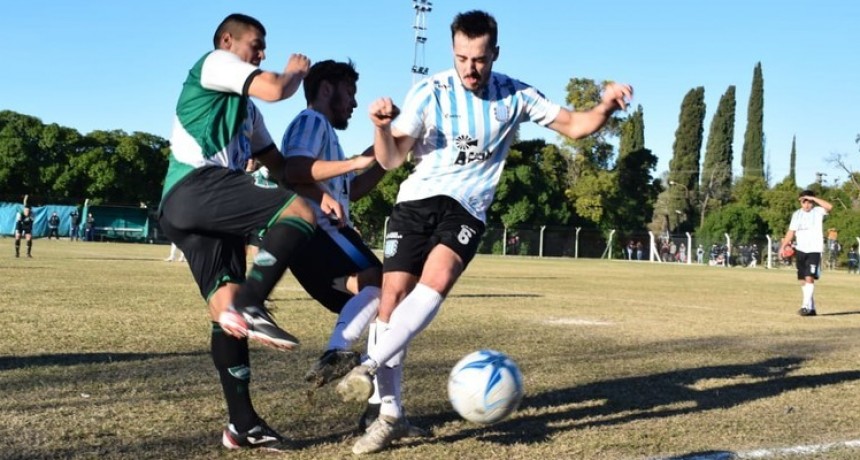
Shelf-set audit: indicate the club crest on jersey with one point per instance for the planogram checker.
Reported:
(501, 113)
(468, 150)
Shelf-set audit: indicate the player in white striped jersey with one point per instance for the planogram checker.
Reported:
(459, 124)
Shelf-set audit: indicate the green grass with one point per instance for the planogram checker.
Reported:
(105, 354)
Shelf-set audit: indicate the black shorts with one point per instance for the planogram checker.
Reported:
(209, 214)
(323, 266)
(416, 227)
(808, 264)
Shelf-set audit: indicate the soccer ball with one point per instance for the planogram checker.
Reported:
(485, 386)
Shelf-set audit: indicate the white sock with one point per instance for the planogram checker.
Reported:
(808, 290)
(354, 318)
(372, 330)
(389, 391)
(412, 315)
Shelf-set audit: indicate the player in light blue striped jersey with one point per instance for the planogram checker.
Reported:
(459, 124)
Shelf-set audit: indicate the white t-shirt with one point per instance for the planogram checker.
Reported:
(808, 227)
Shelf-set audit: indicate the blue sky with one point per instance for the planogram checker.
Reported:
(100, 64)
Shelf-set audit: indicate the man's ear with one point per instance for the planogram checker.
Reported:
(226, 41)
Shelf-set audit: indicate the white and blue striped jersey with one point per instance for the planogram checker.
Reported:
(311, 135)
(463, 138)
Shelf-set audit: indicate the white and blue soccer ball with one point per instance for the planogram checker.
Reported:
(485, 386)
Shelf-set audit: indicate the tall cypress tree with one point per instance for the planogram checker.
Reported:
(791, 170)
(752, 158)
(684, 166)
(634, 198)
(716, 181)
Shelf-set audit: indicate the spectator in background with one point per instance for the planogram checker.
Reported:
(54, 226)
(853, 259)
(700, 255)
(74, 227)
(640, 251)
(24, 229)
(89, 227)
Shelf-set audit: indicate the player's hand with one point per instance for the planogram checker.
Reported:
(617, 95)
(333, 209)
(383, 111)
(298, 65)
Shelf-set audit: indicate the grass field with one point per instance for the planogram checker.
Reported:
(105, 354)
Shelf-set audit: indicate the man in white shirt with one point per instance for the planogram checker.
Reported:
(807, 225)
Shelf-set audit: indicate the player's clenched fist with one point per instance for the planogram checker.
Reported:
(382, 111)
(298, 65)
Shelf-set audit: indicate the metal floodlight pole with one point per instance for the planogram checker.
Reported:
(419, 68)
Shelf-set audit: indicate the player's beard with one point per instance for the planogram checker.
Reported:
(335, 107)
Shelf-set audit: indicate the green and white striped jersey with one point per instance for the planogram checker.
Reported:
(216, 124)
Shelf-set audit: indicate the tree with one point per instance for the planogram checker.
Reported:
(592, 183)
(531, 187)
(752, 158)
(369, 213)
(716, 181)
(632, 204)
(684, 166)
(793, 160)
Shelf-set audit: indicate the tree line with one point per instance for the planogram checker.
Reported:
(585, 183)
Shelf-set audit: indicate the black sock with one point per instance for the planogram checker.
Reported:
(17, 247)
(282, 240)
(29, 246)
(231, 359)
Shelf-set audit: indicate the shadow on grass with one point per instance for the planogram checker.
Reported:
(706, 455)
(620, 401)
(73, 359)
(841, 313)
(492, 296)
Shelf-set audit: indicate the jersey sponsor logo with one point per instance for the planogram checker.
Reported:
(264, 259)
(468, 150)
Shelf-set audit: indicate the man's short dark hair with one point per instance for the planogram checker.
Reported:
(330, 71)
(807, 193)
(236, 24)
(474, 24)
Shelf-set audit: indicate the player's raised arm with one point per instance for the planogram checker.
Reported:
(391, 146)
(272, 86)
(577, 125)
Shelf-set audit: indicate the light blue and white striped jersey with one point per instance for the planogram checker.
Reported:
(463, 138)
(311, 135)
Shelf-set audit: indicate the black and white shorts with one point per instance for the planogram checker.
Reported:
(209, 215)
(325, 263)
(416, 227)
(808, 264)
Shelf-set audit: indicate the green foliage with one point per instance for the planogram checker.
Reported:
(58, 164)
(793, 161)
(593, 152)
(716, 181)
(591, 195)
(684, 166)
(743, 223)
(632, 202)
(749, 191)
(779, 202)
(531, 187)
(752, 158)
(370, 211)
